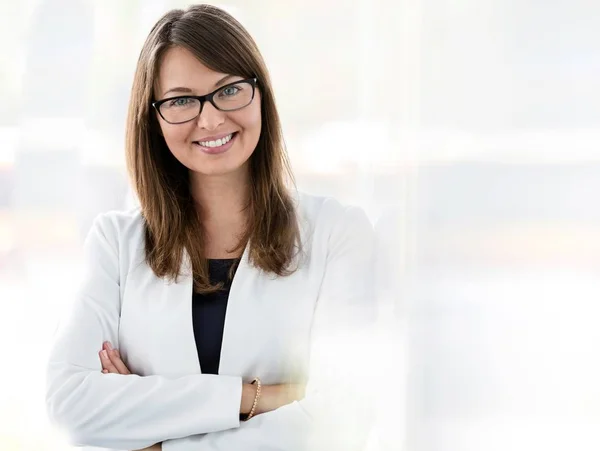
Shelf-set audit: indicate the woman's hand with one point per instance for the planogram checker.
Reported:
(111, 360)
(273, 397)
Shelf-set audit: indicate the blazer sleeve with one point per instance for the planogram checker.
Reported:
(336, 410)
(118, 411)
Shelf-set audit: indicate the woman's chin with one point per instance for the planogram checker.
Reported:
(218, 169)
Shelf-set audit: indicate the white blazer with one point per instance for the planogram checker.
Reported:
(307, 327)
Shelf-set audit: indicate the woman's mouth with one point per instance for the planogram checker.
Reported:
(217, 146)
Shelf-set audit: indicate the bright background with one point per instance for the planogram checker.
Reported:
(469, 130)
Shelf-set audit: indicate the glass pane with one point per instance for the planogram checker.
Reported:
(180, 110)
(233, 97)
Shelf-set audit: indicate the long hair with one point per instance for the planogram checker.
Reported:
(162, 183)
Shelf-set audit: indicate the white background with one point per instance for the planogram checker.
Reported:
(467, 129)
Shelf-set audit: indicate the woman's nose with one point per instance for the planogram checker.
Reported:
(210, 118)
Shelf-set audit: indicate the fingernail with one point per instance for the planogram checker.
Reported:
(108, 346)
(104, 353)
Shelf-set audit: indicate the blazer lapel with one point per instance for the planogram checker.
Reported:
(156, 332)
(240, 329)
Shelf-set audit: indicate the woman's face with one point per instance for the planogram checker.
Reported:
(195, 143)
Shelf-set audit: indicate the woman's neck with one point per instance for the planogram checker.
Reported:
(221, 203)
(221, 199)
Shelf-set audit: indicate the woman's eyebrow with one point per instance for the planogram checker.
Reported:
(178, 89)
(184, 90)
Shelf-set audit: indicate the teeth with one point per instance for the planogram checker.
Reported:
(218, 142)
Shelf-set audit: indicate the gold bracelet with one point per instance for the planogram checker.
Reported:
(256, 397)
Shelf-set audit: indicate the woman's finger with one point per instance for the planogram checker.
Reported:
(115, 358)
(107, 363)
(111, 360)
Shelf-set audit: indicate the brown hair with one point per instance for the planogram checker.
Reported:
(161, 182)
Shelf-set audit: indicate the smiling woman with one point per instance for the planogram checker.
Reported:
(223, 312)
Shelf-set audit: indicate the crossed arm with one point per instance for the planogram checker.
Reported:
(200, 412)
(271, 398)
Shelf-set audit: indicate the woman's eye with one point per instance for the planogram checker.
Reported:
(179, 102)
(231, 90)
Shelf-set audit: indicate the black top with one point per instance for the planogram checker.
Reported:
(208, 316)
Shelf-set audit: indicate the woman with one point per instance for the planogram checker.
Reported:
(226, 308)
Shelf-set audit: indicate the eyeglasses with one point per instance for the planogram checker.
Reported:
(231, 97)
